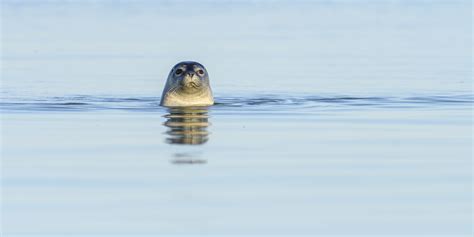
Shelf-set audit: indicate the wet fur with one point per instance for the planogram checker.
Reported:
(183, 90)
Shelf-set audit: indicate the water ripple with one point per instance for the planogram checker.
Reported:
(261, 102)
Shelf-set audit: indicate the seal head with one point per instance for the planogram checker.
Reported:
(187, 85)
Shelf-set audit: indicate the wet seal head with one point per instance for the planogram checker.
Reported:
(187, 85)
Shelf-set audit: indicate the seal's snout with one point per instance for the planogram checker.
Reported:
(190, 80)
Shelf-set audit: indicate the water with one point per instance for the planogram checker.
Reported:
(349, 118)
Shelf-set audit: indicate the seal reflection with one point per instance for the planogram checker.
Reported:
(187, 125)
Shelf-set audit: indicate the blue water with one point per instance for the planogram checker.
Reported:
(346, 118)
(263, 102)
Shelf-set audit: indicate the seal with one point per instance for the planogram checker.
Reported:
(187, 85)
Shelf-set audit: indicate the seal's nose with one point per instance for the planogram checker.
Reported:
(188, 78)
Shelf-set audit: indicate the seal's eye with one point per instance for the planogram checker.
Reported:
(179, 71)
(201, 72)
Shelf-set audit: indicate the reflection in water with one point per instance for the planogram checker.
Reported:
(184, 158)
(187, 125)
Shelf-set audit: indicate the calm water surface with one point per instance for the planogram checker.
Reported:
(348, 118)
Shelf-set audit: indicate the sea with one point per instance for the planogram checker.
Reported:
(332, 118)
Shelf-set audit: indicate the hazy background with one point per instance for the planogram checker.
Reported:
(110, 47)
(337, 118)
